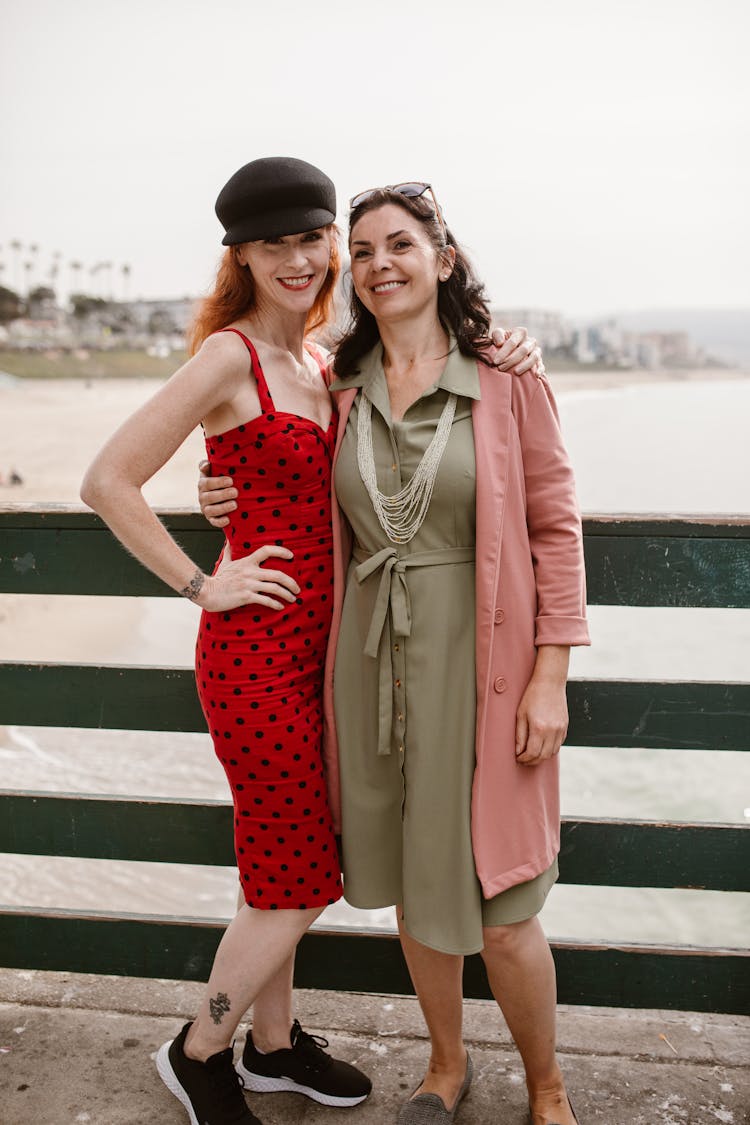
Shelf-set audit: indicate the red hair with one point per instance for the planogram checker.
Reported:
(233, 296)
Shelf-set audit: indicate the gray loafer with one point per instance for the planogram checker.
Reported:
(430, 1109)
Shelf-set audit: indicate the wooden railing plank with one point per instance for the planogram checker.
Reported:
(597, 852)
(641, 561)
(667, 563)
(695, 715)
(665, 525)
(622, 713)
(89, 560)
(696, 979)
(642, 853)
(110, 697)
(95, 826)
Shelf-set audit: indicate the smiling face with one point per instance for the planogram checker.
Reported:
(395, 266)
(289, 271)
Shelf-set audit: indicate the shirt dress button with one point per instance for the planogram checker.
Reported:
(499, 616)
(499, 684)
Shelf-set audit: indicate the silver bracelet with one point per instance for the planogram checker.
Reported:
(194, 586)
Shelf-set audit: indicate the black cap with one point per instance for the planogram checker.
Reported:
(273, 196)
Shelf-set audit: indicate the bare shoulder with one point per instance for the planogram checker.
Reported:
(225, 349)
(223, 361)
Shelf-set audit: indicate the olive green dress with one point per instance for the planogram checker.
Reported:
(405, 686)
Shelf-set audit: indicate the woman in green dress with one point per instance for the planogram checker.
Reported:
(459, 579)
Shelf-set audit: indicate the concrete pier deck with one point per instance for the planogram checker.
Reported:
(78, 1049)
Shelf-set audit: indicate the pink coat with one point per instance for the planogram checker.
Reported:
(530, 590)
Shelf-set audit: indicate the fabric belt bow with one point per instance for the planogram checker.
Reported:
(392, 614)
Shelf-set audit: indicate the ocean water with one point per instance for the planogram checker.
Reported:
(662, 448)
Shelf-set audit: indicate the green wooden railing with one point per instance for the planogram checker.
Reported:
(630, 562)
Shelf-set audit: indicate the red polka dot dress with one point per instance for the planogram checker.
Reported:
(259, 671)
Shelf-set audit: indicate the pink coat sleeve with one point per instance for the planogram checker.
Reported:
(554, 523)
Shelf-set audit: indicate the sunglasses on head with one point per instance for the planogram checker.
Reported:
(413, 189)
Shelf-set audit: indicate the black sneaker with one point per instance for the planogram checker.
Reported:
(303, 1068)
(211, 1092)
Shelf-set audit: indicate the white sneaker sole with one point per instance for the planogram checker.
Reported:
(264, 1084)
(172, 1082)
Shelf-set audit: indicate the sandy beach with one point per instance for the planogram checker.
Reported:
(52, 428)
(51, 431)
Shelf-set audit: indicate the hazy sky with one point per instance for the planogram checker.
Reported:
(591, 154)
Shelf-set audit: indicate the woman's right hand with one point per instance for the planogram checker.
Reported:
(216, 496)
(247, 582)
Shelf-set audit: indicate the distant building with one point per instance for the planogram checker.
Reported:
(93, 322)
(49, 332)
(161, 325)
(606, 343)
(165, 317)
(548, 327)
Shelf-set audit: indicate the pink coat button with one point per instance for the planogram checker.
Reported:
(499, 616)
(499, 684)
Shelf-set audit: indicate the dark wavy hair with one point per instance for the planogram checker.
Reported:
(462, 303)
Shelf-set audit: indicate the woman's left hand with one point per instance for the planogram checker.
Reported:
(515, 351)
(541, 722)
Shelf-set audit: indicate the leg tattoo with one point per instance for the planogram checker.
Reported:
(218, 1006)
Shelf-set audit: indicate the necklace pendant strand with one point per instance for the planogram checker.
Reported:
(402, 515)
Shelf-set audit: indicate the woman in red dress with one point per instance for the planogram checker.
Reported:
(268, 419)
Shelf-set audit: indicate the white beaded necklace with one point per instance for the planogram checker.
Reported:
(402, 515)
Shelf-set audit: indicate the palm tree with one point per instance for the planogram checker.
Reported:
(54, 270)
(125, 270)
(75, 274)
(16, 246)
(107, 267)
(34, 251)
(74, 286)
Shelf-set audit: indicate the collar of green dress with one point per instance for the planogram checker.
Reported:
(459, 376)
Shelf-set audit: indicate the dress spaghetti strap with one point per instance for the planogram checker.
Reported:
(264, 395)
